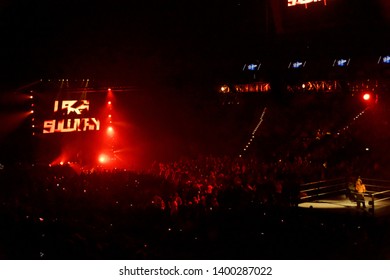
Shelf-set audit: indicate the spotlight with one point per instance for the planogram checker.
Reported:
(110, 131)
(367, 96)
(224, 89)
(103, 158)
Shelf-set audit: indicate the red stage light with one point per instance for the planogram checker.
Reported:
(110, 94)
(31, 97)
(366, 96)
(32, 111)
(103, 158)
(110, 131)
(109, 102)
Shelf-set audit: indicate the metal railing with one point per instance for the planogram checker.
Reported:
(320, 189)
(377, 190)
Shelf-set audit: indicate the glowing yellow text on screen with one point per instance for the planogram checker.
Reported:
(71, 112)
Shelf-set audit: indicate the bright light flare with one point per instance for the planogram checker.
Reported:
(366, 96)
(224, 89)
(110, 95)
(103, 158)
(110, 130)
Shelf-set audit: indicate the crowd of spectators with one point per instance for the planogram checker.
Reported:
(210, 207)
(204, 207)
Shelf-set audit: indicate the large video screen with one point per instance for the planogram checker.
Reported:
(70, 125)
(71, 116)
(77, 111)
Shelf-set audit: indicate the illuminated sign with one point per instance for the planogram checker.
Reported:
(384, 59)
(297, 64)
(341, 62)
(252, 66)
(71, 115)
(292, 3)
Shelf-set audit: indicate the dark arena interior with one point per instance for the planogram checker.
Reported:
(197, 130)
